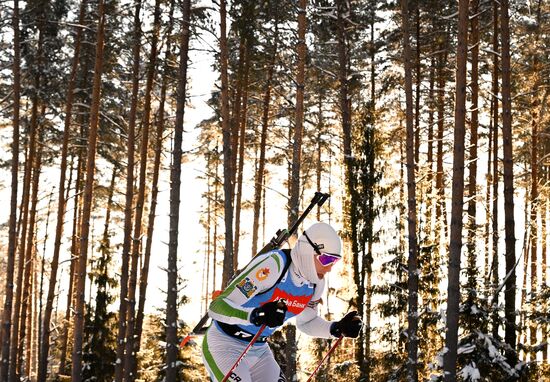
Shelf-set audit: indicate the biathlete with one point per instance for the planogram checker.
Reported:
(273, 288)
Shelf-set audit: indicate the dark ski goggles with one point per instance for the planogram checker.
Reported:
(327, 258)
(324, 258)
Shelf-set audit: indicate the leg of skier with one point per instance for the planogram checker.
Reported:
(219, 353)
(267, 369)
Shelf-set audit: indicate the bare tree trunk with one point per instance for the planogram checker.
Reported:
(544, 262)
(154, 185)
(440, 218)
(294, 181)
(129, 375)
(227, 151)
(472, 156)
(412, 315)
(12, 233)
(172, 347)
(430, 211)
(40, 292)
(453, 289)
(120, 365)
(45, 339)
(29, 254)
(77, 219)
(534, 195)
(76, 372)
(259, 177)
(488, 201)
(234, 118)
(510, 240)
(495, 90)
(418, 80)
(242, 142)
(25, 213)
(294, 202)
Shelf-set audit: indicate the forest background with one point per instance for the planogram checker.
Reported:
(426, 121)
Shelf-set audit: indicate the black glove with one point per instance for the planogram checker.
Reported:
(349, 326)
(272, 314)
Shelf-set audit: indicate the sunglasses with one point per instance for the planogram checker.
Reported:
(327, 258)
(324, 258)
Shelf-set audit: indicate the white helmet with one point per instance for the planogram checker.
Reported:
(323, 237)
(319, 237)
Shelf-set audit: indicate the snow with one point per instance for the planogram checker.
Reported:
(470, 373)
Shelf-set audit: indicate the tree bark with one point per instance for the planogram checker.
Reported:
(412, 283)
(259, 176)
(131, 354)
(242, 142)
(472, 155)
(77, 219)
(453, 289)
(495, 90)
(12, 234)
(508, 179)
(29, 254)
(144, 275)
(29, 170)
(120, 365)
(62, 204)
(294, 202)
(76, 372)
(228, 174)
(175, 180)
(534, 192)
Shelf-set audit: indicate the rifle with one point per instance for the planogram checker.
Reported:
(280, 237)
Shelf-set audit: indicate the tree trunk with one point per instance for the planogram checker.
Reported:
(131, 354)
(412, 284)
(294, 202)
(234, 118)
(294, 181)
(544, 262)
(453, 289)
(418, 81)
(127, 243)
(12, 234)
(40, 292)
(495, 89)
(259, 176)
(471, 228)
(25, 212)
(534, 194)
(77, 219)
(488, 201)
(227, 151)
(440, 218)
(62, 204)
(80, 279)
(430, 210)
(172, 347)
(242, 143)
(154, 185)
(29, 254)
(508, 179)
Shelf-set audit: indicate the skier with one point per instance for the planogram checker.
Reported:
(271, 289)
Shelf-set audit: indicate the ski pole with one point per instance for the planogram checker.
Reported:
(326, 356)
(252, 341)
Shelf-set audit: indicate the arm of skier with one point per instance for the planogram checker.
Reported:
(309, 320)
(258, 276)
